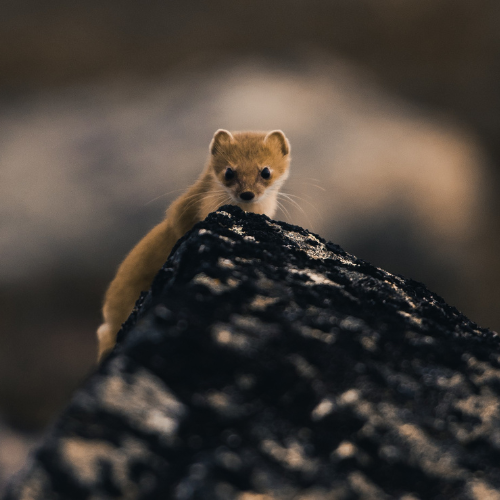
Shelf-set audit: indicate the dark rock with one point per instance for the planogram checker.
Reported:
(264, 364)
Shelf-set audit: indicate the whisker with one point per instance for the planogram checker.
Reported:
(203, 194)
(164, 194)
(316, 186)
(284, 210)
(198, 196)
(195, 198)
(191, 202)
(220, 202)
(313, 185)
(291, 200)
(302, 199)
(295, 175)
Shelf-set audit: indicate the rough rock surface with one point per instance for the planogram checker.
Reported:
(264, 364)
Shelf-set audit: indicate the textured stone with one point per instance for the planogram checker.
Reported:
(265, 363)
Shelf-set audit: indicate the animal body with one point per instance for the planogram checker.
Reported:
(246, 169)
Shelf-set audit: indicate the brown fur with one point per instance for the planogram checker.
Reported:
(247, 154)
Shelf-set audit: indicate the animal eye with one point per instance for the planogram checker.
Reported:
(229, 174)
(266, 173)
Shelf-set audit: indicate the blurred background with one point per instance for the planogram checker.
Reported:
(107, 109)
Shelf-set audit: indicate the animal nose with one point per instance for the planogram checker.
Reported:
(247, 196)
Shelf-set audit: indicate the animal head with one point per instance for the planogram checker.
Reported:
(250, 165)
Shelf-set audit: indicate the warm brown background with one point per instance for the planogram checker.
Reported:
(392, 109)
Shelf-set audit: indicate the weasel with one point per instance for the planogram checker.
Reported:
(246, 169)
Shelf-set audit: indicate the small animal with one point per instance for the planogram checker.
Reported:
(246, 169)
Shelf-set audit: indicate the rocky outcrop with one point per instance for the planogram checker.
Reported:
(266, 363)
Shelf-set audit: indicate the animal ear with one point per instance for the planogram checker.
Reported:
(278, 139)
(221, 138)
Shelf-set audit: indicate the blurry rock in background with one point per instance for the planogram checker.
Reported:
(107, 110)
(15, 447)
(87, 171)
(442, 52)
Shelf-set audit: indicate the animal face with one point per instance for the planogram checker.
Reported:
(250, 164)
